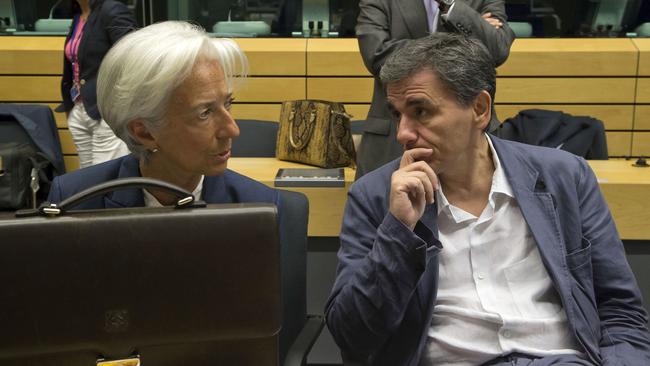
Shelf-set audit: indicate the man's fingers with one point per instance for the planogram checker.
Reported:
(413, 155)
(425, 168)
(487, 15)
(418, 181)
(427, 184)
(414, 188)
(493, 21)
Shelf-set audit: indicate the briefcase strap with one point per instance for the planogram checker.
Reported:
(185, 198)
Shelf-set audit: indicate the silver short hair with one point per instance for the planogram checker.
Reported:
(140, 72)
(463, 64)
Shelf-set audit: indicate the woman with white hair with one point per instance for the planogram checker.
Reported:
(166, 90)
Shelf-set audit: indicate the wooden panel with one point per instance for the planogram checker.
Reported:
(615, 117)
(346, 90)
(619, 143)
(271, 112)
(272, 89)
(643, 90)
(358, 111)
(59, 117)
(67, 144)
(641, 144)
(31, 55)
(335, 57)
(30, 88)
(264, 112)
(277, 56)
(642, 117)
(71, 162)
(565, 90)
(509, 90)
(571, 57)
(643, 45)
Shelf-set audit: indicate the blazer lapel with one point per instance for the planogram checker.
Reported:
(214, 190)
(538, 208)
(126, 197)
(415, 17)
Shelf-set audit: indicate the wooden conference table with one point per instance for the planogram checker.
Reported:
(626, 190)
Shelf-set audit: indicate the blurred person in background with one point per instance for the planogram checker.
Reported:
(96, 26)
(384, 26)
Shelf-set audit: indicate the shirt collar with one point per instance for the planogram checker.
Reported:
(499, 181)
(151, 201)
(499, 185)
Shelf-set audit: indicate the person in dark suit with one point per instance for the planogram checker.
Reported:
(96, 26)
(166, 90)
(384, 26)
(472, 250)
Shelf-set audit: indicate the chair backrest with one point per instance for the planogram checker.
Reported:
(521, 29)
(356, 128)
(294, 207)
(256, 139)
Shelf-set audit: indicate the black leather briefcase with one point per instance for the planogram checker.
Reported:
(150, 286)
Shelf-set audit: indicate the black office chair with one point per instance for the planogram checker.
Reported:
(256, 140)
(299, 331)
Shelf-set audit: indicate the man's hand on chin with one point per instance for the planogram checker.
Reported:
(412, 187)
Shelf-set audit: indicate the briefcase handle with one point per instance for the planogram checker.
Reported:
(185, 198)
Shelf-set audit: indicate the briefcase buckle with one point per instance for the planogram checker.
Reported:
(132, 361)
(51, 210)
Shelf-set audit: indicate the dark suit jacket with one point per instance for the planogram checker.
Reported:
(109, 21)
(581, 135)
(39, 123)
(383, 299)
(229, 187)
(384, 26)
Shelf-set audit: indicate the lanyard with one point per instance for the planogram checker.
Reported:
(74, 41)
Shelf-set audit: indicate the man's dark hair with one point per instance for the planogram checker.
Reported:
(463, 64)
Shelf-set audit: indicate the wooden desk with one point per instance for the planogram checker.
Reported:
(626, 190)
(326, 204)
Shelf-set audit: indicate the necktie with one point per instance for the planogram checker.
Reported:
(432, 8)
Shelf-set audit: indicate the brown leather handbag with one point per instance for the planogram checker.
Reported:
(315, 132)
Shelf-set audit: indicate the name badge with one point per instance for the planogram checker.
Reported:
(74, 93)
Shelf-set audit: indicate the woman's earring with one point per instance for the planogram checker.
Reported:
(154, 150)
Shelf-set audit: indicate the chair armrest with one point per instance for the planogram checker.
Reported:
(297, 354)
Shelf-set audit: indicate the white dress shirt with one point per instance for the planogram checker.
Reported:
(494, 296)
(151, 201)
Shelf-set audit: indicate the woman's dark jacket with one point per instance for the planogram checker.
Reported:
(109, 21)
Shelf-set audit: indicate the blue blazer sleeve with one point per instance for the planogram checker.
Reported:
(623, 319)
(380, 265)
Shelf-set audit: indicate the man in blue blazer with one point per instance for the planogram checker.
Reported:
(471, 250)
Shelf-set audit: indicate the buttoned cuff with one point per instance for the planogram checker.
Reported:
(421, 238)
